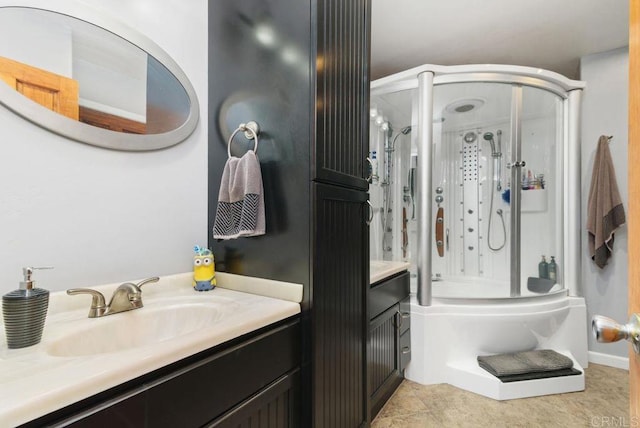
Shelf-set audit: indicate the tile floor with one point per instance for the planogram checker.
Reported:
(603, 403)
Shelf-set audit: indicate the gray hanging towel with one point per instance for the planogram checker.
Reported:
(240, 211)
(605, 213)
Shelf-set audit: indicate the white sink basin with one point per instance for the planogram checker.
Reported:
(136, 328)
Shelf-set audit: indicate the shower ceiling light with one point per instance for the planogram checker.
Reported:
(464, 105)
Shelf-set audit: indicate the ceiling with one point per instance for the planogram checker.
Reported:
(548, 34)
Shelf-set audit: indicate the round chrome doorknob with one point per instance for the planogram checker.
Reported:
(607, 330)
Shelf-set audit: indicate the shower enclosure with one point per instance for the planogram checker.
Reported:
(475, 179)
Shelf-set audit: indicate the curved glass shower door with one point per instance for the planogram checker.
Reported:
(541, 196)
(392, 190)
(496, 202)
(471, 223)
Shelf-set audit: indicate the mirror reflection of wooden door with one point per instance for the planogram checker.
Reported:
(53, 91)
(634, 196)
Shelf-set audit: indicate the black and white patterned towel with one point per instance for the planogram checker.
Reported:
(240, 211)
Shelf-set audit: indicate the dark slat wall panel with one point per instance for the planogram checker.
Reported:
(342, 106)
(339, 299)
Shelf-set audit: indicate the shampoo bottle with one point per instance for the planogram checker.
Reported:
(543, 269)
(553, 269)
(24, 311)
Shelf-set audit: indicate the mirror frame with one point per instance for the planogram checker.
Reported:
(82, 132)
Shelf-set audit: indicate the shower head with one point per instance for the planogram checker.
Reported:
(488, 136)
(404, 131)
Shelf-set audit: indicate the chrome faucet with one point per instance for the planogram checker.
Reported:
(127, 296)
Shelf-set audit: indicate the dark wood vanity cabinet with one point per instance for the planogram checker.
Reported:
(389, 338)
(253, 381)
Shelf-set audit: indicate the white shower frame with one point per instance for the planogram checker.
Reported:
(424, 78)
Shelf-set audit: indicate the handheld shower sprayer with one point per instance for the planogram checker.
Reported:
(497, 174)
(496, 154)
(488, 136)
(498, 158)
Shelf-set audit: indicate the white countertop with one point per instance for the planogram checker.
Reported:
(381, 269)
(35, 383)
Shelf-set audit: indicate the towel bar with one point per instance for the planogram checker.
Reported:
(251, 130)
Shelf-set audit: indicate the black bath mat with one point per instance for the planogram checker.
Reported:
(539, 375)
(539, 364)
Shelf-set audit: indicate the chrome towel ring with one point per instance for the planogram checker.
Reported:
(251, 130)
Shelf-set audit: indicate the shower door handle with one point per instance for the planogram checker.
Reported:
(371, 213)
(518, 164)
(405, 234)
(607, 330)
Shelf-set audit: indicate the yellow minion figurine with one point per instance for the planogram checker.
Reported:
(204, 269)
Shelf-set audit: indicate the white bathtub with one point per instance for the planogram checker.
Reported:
(447, 337)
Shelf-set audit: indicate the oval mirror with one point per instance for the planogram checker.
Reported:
(92, 79)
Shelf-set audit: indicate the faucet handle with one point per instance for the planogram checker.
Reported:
(98, 305)
(147, 281)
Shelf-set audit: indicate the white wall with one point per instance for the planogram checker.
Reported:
(102, 216)
(605, 112)
(36, 43)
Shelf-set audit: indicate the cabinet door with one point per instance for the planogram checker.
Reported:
(384, 358)
(338, 306)
(342, 106)
(196, 394)
(274, 407)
